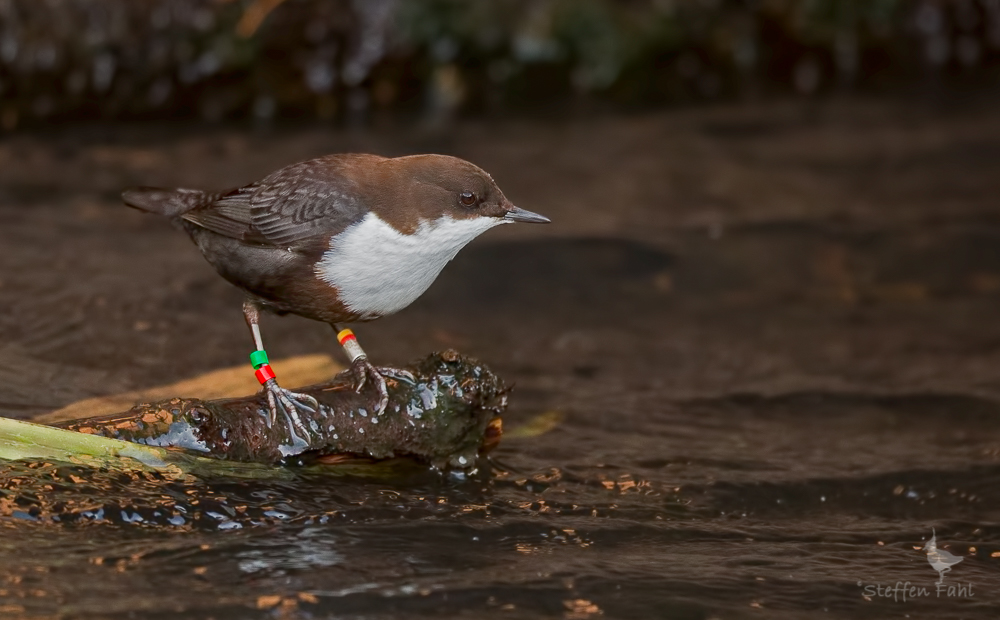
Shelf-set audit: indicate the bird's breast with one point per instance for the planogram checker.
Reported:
(378, 270)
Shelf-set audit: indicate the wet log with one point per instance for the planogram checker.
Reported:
(447, 417)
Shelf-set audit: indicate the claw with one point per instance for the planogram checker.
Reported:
(289, 403)
(272, 409)
(396, 373)
(363, 372)
(359, 370)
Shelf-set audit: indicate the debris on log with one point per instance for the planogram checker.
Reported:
(447, 417)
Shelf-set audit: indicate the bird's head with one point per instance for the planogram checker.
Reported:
(430, 187)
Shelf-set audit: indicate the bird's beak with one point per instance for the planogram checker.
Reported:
(515, 214)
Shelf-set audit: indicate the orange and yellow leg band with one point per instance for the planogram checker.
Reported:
(349, 341)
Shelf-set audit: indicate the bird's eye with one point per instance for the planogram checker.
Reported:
(467, 199)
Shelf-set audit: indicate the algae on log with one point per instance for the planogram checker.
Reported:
(447, 417)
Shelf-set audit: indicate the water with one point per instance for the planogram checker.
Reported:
(771, 341)
(710, 510)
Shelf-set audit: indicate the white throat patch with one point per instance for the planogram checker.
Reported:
(379, 270)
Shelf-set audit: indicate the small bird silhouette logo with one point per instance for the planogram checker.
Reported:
(939, 559)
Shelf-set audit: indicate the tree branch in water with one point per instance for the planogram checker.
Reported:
(447, 417)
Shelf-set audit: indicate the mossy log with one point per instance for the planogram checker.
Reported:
(447, 417)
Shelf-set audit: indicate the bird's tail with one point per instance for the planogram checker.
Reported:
(168, 202)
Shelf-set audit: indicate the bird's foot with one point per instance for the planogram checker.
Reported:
(364, 373)
(396, 373)
(289, 404)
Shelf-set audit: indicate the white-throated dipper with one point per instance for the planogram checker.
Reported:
(338, 239)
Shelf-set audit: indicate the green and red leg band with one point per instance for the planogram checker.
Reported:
(263, 370)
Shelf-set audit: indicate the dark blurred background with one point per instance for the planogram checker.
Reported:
(838, 154)
(763, 321)
(349, 60)
(716, 153)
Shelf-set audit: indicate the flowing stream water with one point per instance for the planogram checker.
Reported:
(768, 335)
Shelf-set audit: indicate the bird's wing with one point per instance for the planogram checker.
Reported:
(304, 200)
(228, 215)
(298, 202)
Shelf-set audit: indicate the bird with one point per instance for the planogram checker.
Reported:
(342, 238)
(939, 559)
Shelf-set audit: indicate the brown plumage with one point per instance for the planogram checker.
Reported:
(340, 238)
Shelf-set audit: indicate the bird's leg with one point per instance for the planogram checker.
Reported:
(363, 370)
(286, 402)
